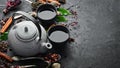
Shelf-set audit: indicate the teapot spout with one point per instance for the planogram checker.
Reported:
(48, 45)
(45, 47)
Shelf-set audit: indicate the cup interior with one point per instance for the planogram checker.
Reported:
(58, 34)
(46, 12)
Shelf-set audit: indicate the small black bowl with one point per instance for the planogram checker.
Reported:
(47, 13)
(58, 28)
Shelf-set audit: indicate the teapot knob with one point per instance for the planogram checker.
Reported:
(26, 29)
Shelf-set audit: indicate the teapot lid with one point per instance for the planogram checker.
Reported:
(26, 30)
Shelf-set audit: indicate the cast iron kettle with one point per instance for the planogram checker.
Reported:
(28, 38)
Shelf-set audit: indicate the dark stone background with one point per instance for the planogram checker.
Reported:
(97, 34)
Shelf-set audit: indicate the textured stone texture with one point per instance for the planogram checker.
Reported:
(97, 34)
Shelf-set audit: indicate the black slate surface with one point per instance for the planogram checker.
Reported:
(97, 34)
